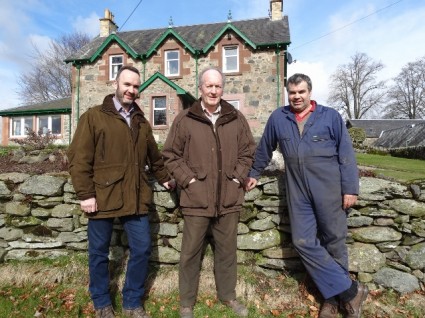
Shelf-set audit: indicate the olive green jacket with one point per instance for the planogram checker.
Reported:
(108, 158)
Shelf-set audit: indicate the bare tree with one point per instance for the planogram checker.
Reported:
(354, 87)
(50, 76)
(407, 95)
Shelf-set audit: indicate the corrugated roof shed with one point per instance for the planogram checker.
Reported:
(407, 136)
(374, 127)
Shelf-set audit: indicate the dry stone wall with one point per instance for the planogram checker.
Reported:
(40, 217)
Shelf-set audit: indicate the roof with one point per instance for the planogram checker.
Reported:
(58, 106)
(258, 33)
(374, 127)
(407, 136)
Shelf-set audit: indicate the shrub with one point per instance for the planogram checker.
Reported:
(36, 141)
(358, 135)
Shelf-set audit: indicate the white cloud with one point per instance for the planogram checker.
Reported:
(88, 25)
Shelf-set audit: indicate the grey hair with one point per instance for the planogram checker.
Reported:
(209, 68)
(298, 78)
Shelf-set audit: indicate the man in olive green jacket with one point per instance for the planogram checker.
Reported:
(209, 152)
(112, 145)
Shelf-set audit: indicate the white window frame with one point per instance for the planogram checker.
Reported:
(168, 61)
(114, 66)
(22, 129)
(235, 103)
(162, 108)
(228, 55)
(49, 124)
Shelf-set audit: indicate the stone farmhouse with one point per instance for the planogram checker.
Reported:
(251, 53)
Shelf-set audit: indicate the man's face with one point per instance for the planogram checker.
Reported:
(211, 88)
(127, 88)
(299, 96)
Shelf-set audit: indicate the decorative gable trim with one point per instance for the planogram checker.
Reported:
(157, 75)
(169, 32)
(225, 29)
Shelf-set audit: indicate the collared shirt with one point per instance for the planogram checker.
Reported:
(301, 120)
(125, 114)
(214, 116)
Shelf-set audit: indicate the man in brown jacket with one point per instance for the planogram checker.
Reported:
(108, 154)
(209, 152)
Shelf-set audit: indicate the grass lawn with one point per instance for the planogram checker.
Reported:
(58, 288)
(399, 169)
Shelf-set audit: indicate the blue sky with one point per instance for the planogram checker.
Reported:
(324, 33)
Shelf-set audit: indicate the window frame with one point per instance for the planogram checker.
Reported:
(227, 48)
(112, 72)
(155, 109)
(49, 123)
(22, 120)
(234, 101)
(168, 60)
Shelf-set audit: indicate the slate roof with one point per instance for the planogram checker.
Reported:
(62, 105)
(262, 32)
(407, 136)
(374, 127)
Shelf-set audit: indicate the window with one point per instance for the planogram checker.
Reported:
(234, 103)
(115, 63)
(230, 59)
(20, 126)
(159, 111)
(172, 65)
(51, 123)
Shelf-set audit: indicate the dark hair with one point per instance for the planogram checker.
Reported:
(209, 68)
(126, 67)
(298, 78)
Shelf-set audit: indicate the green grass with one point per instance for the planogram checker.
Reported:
(400, 169)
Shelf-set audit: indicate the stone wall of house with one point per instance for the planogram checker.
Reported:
(255, 85)
(40, 217)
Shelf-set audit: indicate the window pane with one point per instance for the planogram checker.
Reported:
(29, 125)
(117, 59)
(115, 63)
(56, 125)
(232, 63)
(159, 111)
(43, 124)
(173, 67)
(16, 126)
(172, 55)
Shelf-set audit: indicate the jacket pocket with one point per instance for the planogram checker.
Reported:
(109, 189)
(233, 193)
(195, 195)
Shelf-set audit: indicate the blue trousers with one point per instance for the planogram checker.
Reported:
(318, 234)
(139, 240)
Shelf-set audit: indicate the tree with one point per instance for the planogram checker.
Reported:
(50, 77)
(354, 88)
(407, 95)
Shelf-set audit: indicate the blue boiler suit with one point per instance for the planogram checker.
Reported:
(320, 167)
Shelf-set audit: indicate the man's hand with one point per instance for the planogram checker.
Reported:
(348, 201)
(89, 205)
(169, 185)
(250, 183)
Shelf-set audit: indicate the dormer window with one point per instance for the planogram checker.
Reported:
(115, 63)
(231, 59)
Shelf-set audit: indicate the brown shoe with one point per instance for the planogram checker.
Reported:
(105, 312)
(238, 308)
(354, 306)
(328, 310)
(138, 312)
(186, 312)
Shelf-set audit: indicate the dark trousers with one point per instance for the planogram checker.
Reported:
(224, 232)
(139, 241)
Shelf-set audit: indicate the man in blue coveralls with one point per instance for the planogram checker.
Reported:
(322, 182)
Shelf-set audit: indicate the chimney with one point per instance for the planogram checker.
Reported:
(276, 8)
(107, 24)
